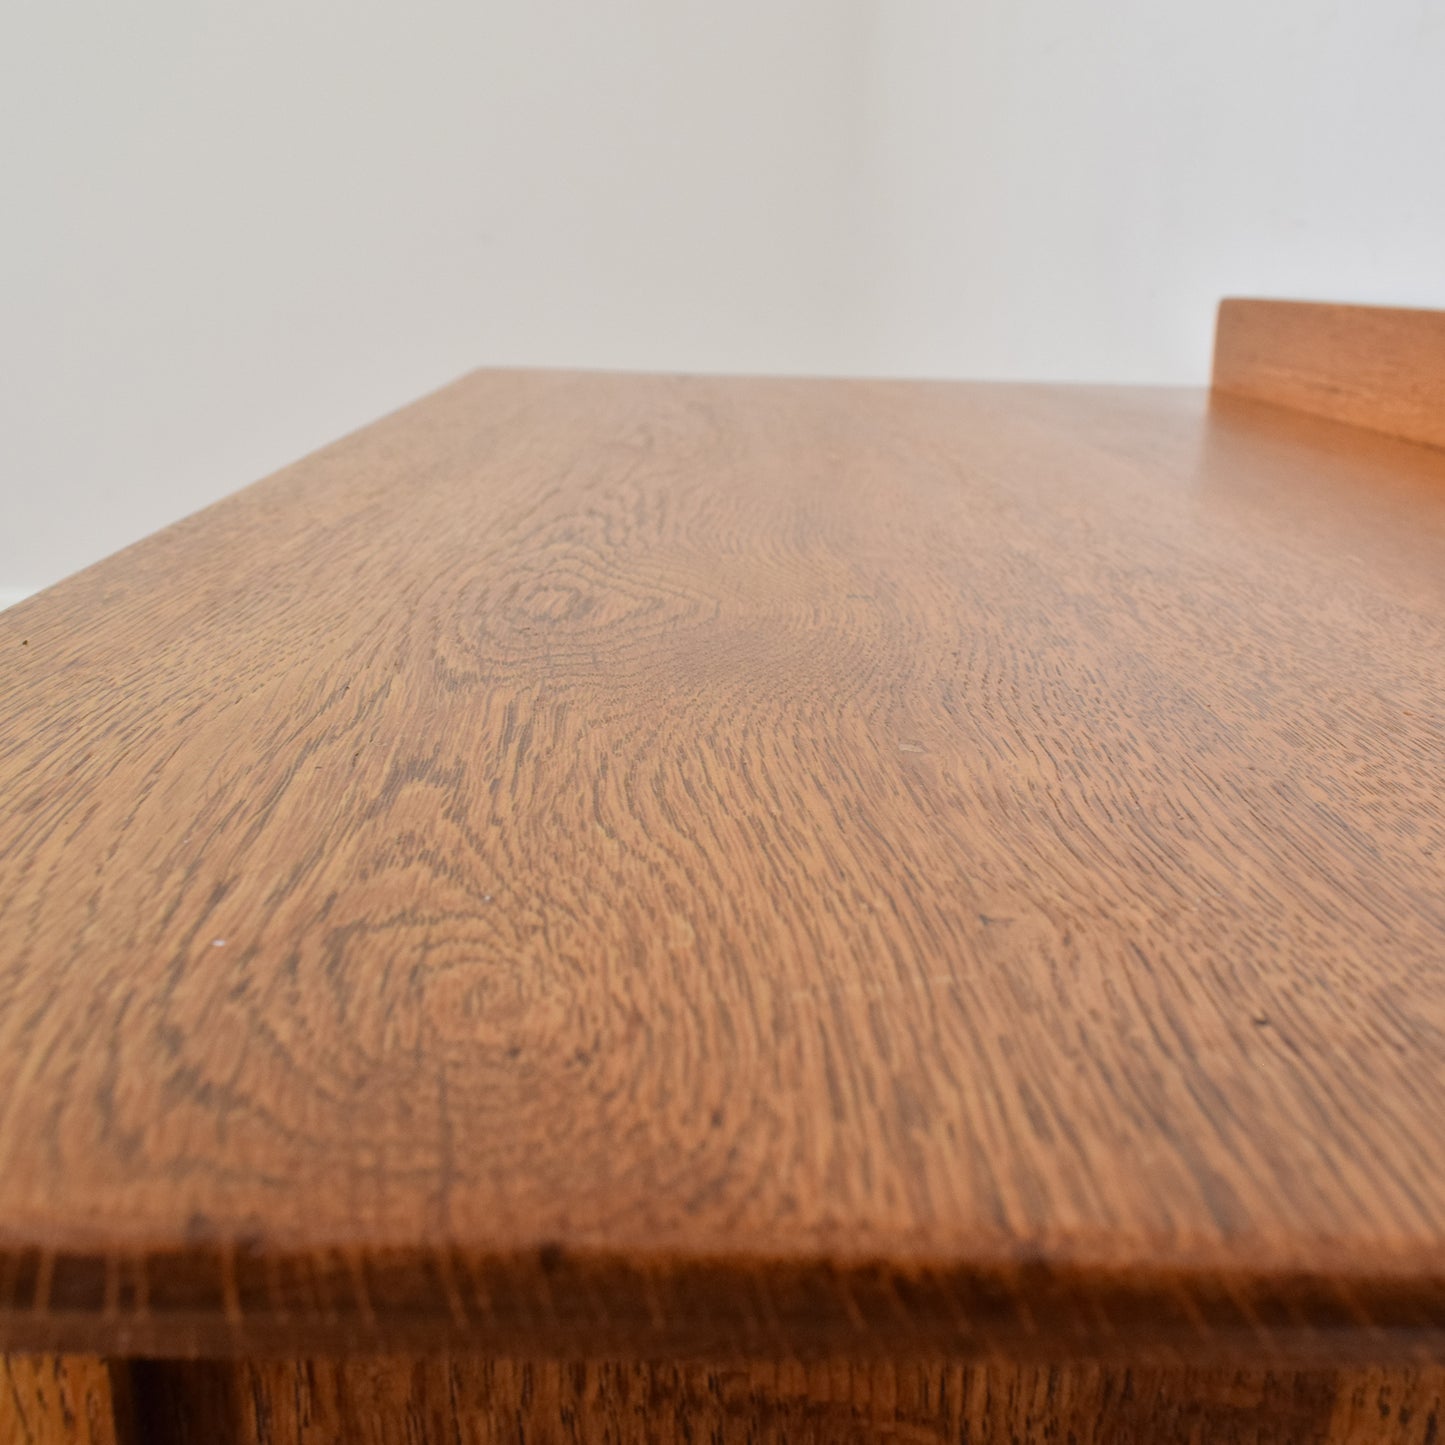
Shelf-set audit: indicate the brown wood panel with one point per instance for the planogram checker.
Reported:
(631, 864)
(61, 1400)
(833, 1402)
(1379, 367)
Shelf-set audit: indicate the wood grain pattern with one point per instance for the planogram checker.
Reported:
(1379, 367)
(833, 1402)
(611, 864)
(61, 1400)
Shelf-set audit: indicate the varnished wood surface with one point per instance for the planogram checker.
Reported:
(832, 1402)
(419, 1401)
(63, 1400)
(615, 864)
(1379, 367)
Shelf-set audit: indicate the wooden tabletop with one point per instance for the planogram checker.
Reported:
(674, 863)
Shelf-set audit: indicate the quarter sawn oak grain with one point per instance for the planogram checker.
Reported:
(62, 1400)
(609, 863)
(400, 1402)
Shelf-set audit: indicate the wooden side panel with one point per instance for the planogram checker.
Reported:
(402, 1402)
(1377, 367)
(59, 1400)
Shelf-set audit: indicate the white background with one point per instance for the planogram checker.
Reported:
(231, 232)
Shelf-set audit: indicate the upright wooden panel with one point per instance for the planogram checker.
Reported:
(61, 1400)
(468, 1402)
(1372, 366)
(626, 864)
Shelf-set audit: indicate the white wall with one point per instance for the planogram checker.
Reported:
(1071, 187)
(232, 232)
